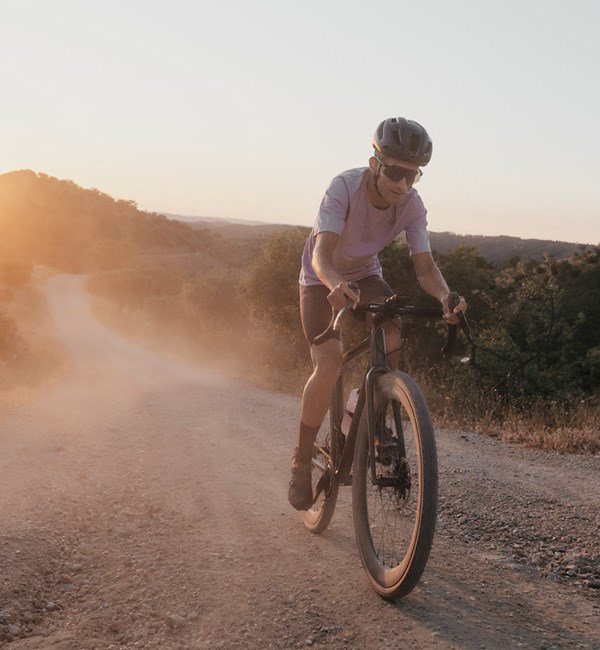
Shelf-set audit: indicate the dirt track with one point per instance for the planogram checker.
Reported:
(144, 505)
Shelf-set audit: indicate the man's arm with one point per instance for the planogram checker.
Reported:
(432, 281)
(322, 261)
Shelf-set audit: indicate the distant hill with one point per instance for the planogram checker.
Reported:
(500, 249)
(234, 228)
(216, 222)
(495, 249)
(56, 223)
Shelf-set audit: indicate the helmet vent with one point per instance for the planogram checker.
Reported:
(415, 143)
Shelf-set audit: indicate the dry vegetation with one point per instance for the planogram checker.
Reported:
(234, 302)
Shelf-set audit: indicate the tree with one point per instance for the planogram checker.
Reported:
(271, 283)
(271, 290)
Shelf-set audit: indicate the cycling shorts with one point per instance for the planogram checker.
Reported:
(316, 311)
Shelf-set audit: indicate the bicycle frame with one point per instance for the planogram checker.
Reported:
(376, 345)
(394, 482)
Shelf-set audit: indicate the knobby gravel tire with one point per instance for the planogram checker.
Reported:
(395, 524)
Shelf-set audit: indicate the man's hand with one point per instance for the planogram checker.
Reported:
(451, 307)
(341, 293)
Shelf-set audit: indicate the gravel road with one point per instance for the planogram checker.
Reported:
(143, 505)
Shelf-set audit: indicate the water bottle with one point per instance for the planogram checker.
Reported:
(349, 410)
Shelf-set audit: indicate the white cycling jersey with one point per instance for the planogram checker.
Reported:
(364, 230)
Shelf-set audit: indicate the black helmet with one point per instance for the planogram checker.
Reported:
(403, 139)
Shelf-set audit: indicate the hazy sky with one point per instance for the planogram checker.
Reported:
(247, 109)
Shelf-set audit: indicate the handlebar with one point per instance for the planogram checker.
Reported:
(399, 306)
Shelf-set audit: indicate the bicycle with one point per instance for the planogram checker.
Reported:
(387, 455)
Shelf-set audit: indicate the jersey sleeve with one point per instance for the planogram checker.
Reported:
(417, 236)
(333, 208)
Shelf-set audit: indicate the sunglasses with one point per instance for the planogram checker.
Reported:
(396, 173)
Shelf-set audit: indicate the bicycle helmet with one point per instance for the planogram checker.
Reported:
(403, 139)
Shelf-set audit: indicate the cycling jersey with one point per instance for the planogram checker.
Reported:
(364, 230)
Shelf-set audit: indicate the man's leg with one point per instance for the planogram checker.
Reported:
(327, 361)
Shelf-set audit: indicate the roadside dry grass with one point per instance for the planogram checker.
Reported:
(541, 424)
(550, 425)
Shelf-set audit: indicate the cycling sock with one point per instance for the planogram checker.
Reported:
(306, 440)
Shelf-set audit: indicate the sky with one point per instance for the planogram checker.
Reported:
(246, 109)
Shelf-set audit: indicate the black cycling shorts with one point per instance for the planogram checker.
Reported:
(316, 311)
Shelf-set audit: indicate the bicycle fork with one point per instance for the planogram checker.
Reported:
(381, 367)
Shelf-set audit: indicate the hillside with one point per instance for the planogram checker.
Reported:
(228, 292)
(500, 249)
(58, 224)
(496, 250)
(55, 223)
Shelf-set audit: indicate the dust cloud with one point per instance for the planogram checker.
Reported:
(122, 442)
(143, 504)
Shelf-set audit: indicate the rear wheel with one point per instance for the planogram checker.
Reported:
(326, 451)
(394, 516)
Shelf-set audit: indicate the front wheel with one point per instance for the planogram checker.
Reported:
(394, 513)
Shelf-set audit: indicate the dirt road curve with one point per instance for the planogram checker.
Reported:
(143, 504)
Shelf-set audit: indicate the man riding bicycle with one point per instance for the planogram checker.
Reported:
(362, 211)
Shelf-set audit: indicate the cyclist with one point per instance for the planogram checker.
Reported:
(362, 211)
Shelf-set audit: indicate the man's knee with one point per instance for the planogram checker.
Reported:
(327, 358)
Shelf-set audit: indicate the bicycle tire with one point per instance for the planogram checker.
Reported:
(395, 524)
(326, 453)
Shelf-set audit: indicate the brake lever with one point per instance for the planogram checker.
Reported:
(448, 348)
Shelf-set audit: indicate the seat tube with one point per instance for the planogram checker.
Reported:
(337, 407)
